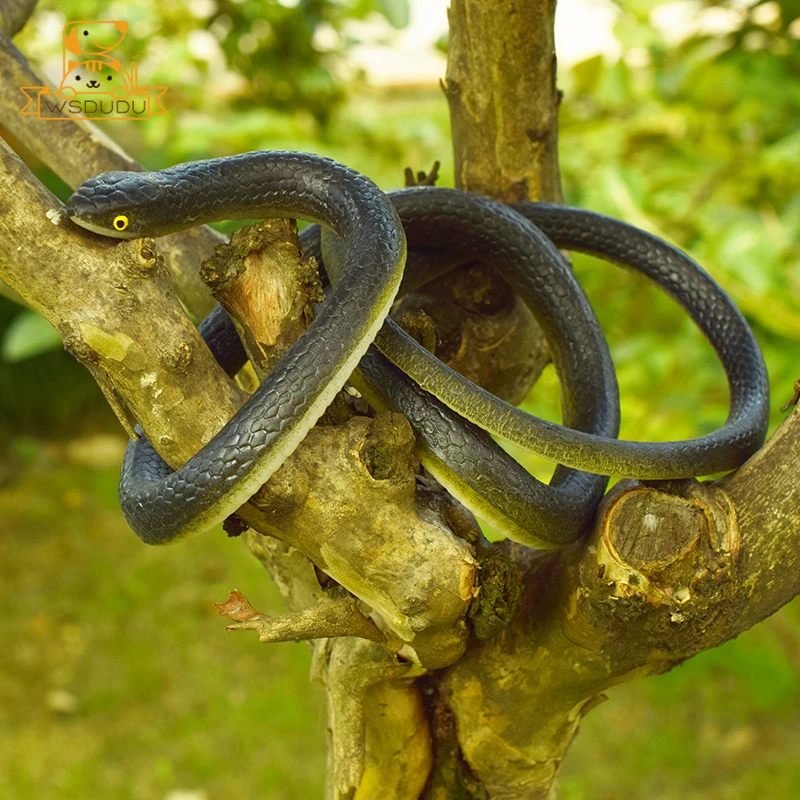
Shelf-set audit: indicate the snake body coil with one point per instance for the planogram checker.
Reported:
(166, 505)
(672, 270)
(365, 262)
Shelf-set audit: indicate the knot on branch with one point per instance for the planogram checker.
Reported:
(147, 258)
(284, 494)
(381, 449)
(667, 543)
(665, 565)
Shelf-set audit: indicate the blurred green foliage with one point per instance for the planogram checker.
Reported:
(697, 140)
(233, 55)
(28, 334)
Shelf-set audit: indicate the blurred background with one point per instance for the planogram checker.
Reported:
(116, 677)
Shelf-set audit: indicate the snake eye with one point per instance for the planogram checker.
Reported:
(120, 222)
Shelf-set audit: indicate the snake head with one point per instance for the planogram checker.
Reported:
(125, 205)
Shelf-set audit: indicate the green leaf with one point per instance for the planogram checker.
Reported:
(28, 335)
(587, 74)
(396, 11)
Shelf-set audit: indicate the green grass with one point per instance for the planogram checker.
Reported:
(163, 698)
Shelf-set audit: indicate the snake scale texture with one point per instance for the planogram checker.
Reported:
(362, 244)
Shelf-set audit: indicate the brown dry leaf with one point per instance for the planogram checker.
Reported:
(238, 607)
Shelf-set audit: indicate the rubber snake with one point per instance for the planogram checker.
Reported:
(363, 249)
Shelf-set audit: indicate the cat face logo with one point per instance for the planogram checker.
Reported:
(96, 84)
(94, 77)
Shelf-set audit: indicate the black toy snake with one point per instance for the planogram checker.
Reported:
(363, 248)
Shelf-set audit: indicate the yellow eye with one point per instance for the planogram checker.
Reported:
(120, 222)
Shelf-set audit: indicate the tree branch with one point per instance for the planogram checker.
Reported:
(501, 87)
(111, 301)
(328, 618)
(669, 570)
(14, 14)
(503, 115)
(96, 293)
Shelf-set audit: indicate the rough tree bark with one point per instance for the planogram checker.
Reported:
(453, 668)
(501, 89)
